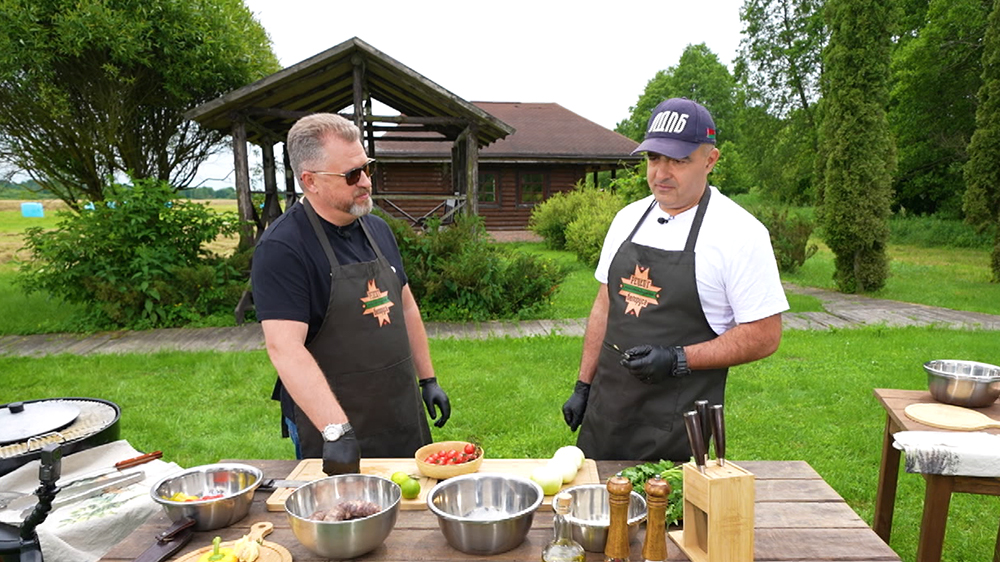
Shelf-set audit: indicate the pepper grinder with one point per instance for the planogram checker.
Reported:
(655, 547)
(616, 549)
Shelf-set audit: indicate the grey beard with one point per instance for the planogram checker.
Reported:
(361, 209)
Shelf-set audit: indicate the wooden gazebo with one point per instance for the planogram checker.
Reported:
(350, 74)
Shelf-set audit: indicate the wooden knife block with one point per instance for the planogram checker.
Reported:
(718, 514)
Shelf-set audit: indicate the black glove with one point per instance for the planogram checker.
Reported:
(433, 396)
(342, 456)
(574, 408)
(651, 364)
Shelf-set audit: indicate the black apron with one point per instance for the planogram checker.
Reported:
(363, 349)
(653, 299)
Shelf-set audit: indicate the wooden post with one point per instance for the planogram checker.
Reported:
(291, 196)
(244, 202)
(472, 170)
(272, 210)
(358, 87)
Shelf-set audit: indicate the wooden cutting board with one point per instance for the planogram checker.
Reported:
(269, 551)
(312, 469)
(946, 416)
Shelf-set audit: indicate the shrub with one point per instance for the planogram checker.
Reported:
(931, 232)
(136, 260)
(585, 234)
(790, 232)
(457, 274)
(550, 219)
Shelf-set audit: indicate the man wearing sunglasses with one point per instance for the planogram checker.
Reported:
(340, 323)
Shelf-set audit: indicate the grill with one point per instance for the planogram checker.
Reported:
(96, 424)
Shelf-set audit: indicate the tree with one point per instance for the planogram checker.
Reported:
(778, 70)
(781, 53)
(936, 74)
(698, 76)
(93, 89)
(856, 154)
(982, 175)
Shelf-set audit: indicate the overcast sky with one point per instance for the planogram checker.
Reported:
(593, 58)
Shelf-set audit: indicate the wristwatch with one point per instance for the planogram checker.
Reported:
(681, 368)
(335, 431)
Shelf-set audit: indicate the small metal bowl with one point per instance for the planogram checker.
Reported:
(485, 514)
(963, 383)
(590, 514)
(236, 482)
(343, 539)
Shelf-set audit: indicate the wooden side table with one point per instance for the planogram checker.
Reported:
(939, 487)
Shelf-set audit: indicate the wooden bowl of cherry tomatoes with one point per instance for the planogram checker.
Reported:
(445, 459)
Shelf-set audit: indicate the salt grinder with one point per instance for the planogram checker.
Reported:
(655, 547)
(616, 549)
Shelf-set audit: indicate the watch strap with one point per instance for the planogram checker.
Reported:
(681, 368)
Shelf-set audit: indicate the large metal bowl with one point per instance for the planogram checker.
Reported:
(343, 539)
(590, 514)
(236, 482)
(485, 513)
(963, 383)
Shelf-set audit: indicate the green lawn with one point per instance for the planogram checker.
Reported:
(810, 401)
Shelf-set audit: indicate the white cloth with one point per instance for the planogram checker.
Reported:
(951, 453)
(735, 268)
(85, 530)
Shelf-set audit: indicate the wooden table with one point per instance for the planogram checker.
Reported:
(799, 517)
(939, 488)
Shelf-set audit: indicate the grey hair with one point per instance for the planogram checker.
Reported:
(307, 135)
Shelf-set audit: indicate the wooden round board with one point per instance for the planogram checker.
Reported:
(946, 416)
(269, 551)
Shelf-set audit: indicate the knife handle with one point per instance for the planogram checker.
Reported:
(136, 461)
(701, 406)
(719, 430)
(693, 426)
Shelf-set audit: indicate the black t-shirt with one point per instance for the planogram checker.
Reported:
(290, 275)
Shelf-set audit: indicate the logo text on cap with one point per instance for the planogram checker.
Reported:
(668, 122)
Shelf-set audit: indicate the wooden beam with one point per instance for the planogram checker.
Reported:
(358, 86)
(244, 203)
(272, 210)
(291, 196)
(472, 170)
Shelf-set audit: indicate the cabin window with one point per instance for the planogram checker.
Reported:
(488, 188)
(532, 188)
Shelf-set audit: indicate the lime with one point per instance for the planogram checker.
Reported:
(399, 477)
(411, 489)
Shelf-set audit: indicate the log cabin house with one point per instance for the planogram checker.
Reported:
(550, 150)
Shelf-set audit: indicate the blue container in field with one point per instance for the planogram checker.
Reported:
(33, 210)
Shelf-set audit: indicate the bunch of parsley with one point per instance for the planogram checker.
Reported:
(674, 476)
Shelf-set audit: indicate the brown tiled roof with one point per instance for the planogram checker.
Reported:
(542, 130)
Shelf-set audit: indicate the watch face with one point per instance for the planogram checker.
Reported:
(334, 431)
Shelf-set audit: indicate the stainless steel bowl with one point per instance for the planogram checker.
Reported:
(236, 482)
(483, 513)
(963, 383)
(590, 514)
(343, 539)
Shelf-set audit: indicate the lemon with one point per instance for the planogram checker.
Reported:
(411, 488)
(399, 477)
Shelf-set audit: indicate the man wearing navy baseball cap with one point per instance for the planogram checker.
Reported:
(689, 288)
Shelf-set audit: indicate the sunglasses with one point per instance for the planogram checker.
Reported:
(353, 175)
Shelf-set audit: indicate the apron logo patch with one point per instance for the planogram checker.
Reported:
(377, 304)
(639, 291)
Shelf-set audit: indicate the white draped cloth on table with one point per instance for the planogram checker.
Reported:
(85, 530)
(950, 453)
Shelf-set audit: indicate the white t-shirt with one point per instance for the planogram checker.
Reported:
(735, 268)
